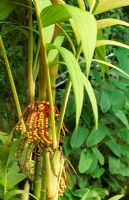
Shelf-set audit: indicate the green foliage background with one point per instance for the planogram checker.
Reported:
(100, 157)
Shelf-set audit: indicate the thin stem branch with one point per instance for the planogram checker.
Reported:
(12, 84)
(63, 107)
(31, 84)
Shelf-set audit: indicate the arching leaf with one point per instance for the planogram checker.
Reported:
(103, 23)
(75, 76)
(112, 66)
(92, 97)
(106, 5)
(111, 42)
(85, 22)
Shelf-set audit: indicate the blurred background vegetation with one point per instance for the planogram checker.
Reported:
(109, 174)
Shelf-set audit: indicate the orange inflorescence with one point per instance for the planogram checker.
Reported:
(37, 122)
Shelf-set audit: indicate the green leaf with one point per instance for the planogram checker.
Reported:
(114, 147)
(85, 22)
(105, 102)
(91, 4)
(117, 99)
(48, 31)
(54, 52)
(106, 5)
(124, 169)
(91, 194)
(110, 42)
(96, 136)
(54, 15)
(114, 165)
(86, 159)
(122, 117)
(122, 56)
(110, 65)
(99, 155)
(75, 76)
(14, 176)
(6, 7)
(11, 194)
(104, 23)
(80, 192)
(117, 197)
(92, 97)
(87, 28)
(98, 172)
(79, 136)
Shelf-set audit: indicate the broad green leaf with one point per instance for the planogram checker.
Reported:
(6, 7)
(114, 147)
(85, 22)
(110, 42)
(87, 28)
(110, 65)
(122, 117)
(92, 97)
(114, 165)
(96, 136)
(124, 169)
(54, 52)
(85, 195)
(117, 197)
(99, 155)
(106, 5)
(80, 192)
(98, 172)
(14, 176)
(48, 31)
(79, 136)
(93, 166)
(13, 193)
(43, 4)
(92, 194)
(122, 56)
(86, 159)
(75, 76)
(103, 23)
(54, 15)
(117, 99)
(105, 101)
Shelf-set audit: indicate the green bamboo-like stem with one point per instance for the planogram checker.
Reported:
(12, 84)
(25, 195)
(54, 67)
(46, 67)
(52, 183)
(37, 178)
(53, 75)
(36, 62)
(31, 84)
(44, 179)
(42, 77)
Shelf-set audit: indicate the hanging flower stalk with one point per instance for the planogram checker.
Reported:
(38, 136)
